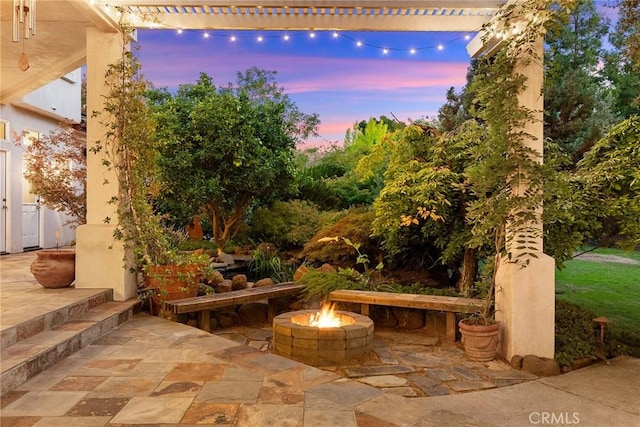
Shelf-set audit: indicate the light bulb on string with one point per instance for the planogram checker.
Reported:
(179, 31)
(286, 37)
(335, 34)
(359, 43)
(232, 38)
(385, 51)
(440, 47)
(312, 35)
(260, 39)
(412, 51)
(206, 35)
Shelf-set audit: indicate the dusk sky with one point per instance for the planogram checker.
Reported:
(325, 74)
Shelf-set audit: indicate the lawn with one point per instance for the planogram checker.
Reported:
(601, 282)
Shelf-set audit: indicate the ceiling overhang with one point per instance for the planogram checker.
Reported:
(60, 43)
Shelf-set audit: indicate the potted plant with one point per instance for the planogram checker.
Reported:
(55, 166)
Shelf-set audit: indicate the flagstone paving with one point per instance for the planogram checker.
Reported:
(150, 371)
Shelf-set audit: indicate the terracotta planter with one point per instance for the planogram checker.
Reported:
(480, 341)
(54, 268)
(171, 282)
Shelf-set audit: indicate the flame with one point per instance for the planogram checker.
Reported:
(325, 318)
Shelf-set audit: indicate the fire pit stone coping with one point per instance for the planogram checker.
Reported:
(322, 346)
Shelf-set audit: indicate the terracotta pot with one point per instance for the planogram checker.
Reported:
(172, 282)
(54, 268)
(480, 341)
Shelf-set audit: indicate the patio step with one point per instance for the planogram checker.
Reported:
(32, 353)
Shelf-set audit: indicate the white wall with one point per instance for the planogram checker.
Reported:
(31, 114)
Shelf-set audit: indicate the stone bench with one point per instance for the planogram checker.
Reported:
(204, 304)
(450, 305)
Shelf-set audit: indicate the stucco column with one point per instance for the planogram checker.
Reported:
(100, 259)
(525, 297)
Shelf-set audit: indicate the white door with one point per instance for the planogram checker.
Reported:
(30, 206)
(3, 201)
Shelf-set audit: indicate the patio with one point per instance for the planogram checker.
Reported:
(152, 371)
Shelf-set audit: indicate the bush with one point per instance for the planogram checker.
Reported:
(269, 264)
(321, 283)
(576, 334)
(287, 224)
(355, 226)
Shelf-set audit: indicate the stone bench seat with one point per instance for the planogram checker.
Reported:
(449, 305)
(204, 304)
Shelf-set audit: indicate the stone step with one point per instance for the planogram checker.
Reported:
(27, 357)
(46, 320)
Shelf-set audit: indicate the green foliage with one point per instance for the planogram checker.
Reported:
(130, 150)
(622, 65)
(610, 174)
(355, 226)
(287, 224)
(577, 104)
(576, 336)
(226, 148)
(269, 264)
(321, 284)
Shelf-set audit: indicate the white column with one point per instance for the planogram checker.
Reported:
(100, 259)
(525, 297)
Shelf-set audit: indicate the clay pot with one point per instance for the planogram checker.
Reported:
(480, 341)
(54, 268)
(171, 282)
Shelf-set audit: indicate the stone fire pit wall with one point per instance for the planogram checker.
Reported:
(295, 339)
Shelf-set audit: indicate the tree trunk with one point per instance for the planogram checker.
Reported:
(469, 271)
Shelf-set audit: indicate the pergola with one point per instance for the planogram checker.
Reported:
(71, 33)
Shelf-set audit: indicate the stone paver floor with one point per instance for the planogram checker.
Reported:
(406, 363)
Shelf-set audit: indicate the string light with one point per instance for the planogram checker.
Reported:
(385, 50)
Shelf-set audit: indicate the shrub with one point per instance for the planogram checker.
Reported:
(576, 336)
(287, 224)
(321, 283)
(269, 264)
(356, 227)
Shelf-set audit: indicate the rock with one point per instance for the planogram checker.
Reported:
(239, 281)
(224, 321)
(301, 271)
(539, 366)
(327, 268)
(264, 282)
(408, 318)
(253, 313)
(225, 286)
(226, 258)
(516, 362)
(213, 277)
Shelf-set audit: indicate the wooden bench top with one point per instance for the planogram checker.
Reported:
(430, 302)
(225, 299)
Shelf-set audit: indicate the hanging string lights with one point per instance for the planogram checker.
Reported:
(358, 43)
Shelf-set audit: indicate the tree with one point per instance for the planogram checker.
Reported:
(610, 173)
(56, 168)
(622, 65)
(577, 104)
(422, 205)
(223, 149)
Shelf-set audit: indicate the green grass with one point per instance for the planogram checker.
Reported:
(606, 288)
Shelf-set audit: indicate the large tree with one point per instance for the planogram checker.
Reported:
(224, 148)
(622, 64)
(577, 104)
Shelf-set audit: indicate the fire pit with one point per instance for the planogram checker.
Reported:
(321, 338)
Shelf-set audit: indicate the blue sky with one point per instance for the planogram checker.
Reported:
(322, 73)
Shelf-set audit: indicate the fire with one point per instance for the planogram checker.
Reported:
(325, 318)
